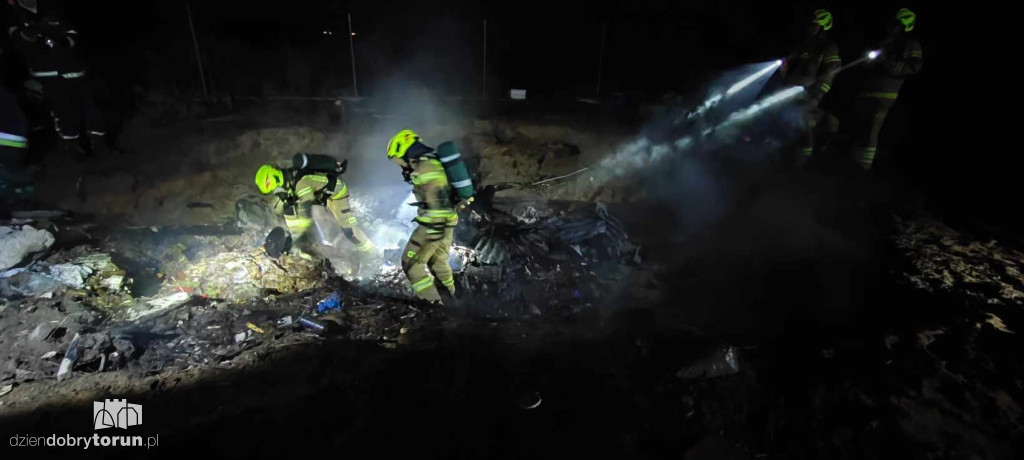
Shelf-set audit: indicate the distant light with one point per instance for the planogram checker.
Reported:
(873, 54)
(325, 32)
(353, 34)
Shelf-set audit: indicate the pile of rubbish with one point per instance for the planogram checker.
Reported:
(543, 230)
(543, 259)
(521, 258)
(217, 263)
(30, 268)
(944, 260)
(53, 338)
(248, 275)
(78, 270)
(149, 299)
(153, 299)
(17, 243)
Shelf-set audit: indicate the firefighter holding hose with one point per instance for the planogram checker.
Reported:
(813, 65)
(899, 58)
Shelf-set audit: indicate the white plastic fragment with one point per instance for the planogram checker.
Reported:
(16, 245)
(69, 359)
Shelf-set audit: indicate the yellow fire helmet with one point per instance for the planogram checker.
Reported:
(907, 18)
(823, 18)
(399, 145)
(268, 179)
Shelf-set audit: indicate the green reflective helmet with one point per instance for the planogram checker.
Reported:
(907, 18)
(268, 179)
(823, 18)
(399, 145)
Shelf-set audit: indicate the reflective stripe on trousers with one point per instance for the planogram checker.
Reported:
(867, 157)
(423, 284)
(54, 73)
(880, 95)
(298, 223)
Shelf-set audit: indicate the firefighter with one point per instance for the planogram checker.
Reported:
(15, 181)
(425, 257)
(312, 180)
(49, 47)
(813, 65)
(898, 58)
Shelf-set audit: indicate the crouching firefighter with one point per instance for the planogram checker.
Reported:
(312, 180)
(441, 184)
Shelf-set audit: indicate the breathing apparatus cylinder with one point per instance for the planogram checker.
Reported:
(316, 163)
(455, 168)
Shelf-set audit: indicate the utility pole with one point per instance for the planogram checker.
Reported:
(600, 60)
(195, 44)
(484, 92)
(352, 52)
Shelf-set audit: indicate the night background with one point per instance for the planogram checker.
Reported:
(622, 292)
(250, 49)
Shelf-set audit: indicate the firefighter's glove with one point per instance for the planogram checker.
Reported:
(462, 205)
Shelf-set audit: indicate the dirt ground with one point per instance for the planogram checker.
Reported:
(192, 172)
(862, 329)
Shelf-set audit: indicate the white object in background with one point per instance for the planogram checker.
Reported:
(70, 357)
(16, 245)
(517, 94)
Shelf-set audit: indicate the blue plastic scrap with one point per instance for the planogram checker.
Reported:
(330, 303)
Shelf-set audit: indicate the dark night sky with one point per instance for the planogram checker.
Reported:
(551, 47)
(545, 46)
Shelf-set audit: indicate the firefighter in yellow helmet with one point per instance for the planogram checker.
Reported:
(813, 65)
(312, 180)
(425, 257)
(899, 57)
